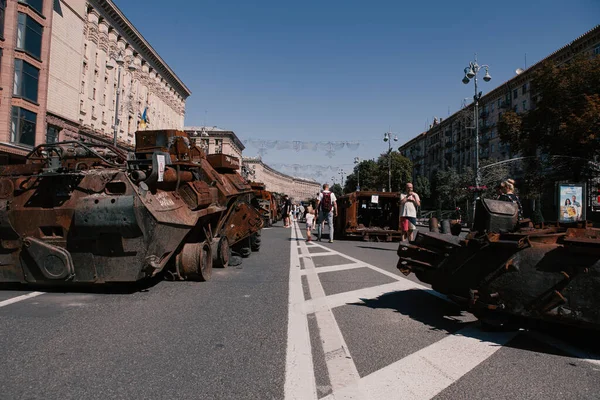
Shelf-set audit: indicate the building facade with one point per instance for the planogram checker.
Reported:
(216, 140)
(57, 81)
(25, 30)
(450, 143)
(95, 52)
(297, 188)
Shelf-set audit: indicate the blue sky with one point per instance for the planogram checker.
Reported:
(344, 70)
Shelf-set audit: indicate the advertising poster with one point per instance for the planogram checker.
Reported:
(595, 195)
(571, 201)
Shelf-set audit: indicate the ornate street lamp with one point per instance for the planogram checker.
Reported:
(357, 162)
(387, 137)
(471, 73)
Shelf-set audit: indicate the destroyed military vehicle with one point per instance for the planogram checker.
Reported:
(89, 213)
(265, 202)
(369, 215)
(508, 271)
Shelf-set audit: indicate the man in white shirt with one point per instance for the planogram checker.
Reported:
(408, 212)
(327, 208)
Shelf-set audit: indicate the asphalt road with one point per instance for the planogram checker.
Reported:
(296, 320)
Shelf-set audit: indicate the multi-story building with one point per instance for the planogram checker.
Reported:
(275, 181)
(216, 140)
(60, 70)
(450, 142)
(25, 53)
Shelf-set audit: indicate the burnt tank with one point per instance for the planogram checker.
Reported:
(509, 272)
(369, 215)
(88, 213)
(265, 202)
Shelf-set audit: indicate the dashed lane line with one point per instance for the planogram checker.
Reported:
(17, 299)
(340, 366)
(300, 383)
(335, 268)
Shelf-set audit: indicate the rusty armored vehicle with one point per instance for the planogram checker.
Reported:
(506, 271)
(265, 202)
(369, 215)
(86, 213)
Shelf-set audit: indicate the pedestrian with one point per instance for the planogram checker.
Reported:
(408, 212)
(287, 205)
(508, 194)
(301, 210)
(310, 219)
(327, 209)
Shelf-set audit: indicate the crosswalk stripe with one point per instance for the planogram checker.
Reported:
(425, 373)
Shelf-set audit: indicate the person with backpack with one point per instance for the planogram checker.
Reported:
(327, 209)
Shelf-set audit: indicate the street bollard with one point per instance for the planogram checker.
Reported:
(446, 226)
(433, 225)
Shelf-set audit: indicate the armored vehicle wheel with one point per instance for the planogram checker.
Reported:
(221, 253)
(194, 262)
(255, 241)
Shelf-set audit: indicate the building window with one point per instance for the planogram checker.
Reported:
(23, 126)
(524, 88)
(516, 109)
(597, 50)
(492, 149)
(524, 105)
(499, 103)
(52, 134)
(37, 5)
(29, 35)
(492, 107)
(2, 11)
(515, 93)
(26, 80)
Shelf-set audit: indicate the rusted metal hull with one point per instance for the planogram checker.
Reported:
(77, 214)
(550, 274)
(359, 216)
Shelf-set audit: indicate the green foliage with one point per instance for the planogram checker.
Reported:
(422, 186)
(565, 120)
(337, 190)
(374, 174)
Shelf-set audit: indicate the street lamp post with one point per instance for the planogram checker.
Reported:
(341, 172)
(357, 162)
(471, 73)
(387, 137)
(109, 66)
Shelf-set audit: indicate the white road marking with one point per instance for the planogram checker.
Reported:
(330, 253)
(334, 268)
(425, 373)
(19, 298)
(299, 369)
(340, 366)
(341, 299)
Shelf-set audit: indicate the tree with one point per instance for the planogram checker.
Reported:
(566, 117)
(422, 186)
(337, 190)
(401, 170)
(368, 177)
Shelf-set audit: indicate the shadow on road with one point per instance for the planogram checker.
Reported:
(420, 306)
(441, 315)
(376, 248)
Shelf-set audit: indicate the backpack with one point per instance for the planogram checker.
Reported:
(326, 202)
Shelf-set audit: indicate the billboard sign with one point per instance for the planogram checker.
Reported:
(571, 202)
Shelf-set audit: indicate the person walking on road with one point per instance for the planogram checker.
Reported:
(327, 209)
(408, 212)
(287, 205)
(310, 221)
